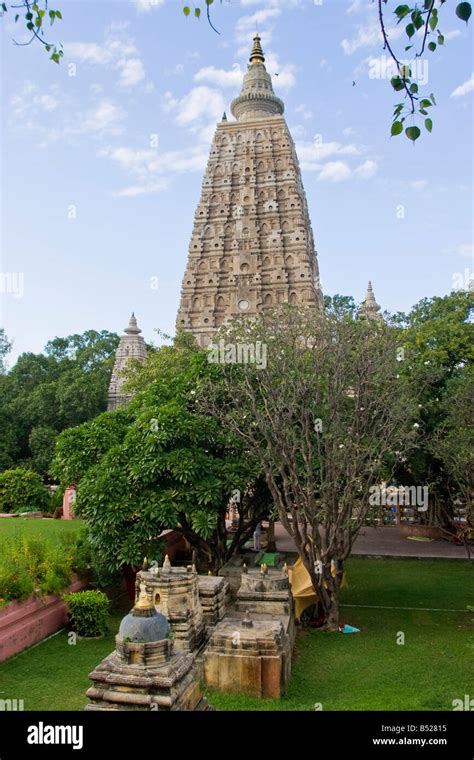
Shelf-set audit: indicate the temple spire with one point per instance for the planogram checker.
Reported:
(256, 56)
(369, 307)
(131, 346)
(257, 99)
(132, 328)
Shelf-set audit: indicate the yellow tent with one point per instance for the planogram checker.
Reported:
(302, 588)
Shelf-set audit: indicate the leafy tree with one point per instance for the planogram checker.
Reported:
(5, 348)
(22, 491)
(41, 443)
(437, 349)
(45, 393)
(328, 416)
(453, 441)
(340, 304)
(161, 463)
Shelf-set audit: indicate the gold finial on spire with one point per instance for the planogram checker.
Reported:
(256, 56)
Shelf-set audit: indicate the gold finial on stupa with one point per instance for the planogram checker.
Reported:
(256, 56)
(143, 607)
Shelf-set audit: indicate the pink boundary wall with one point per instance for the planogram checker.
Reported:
(23, 624)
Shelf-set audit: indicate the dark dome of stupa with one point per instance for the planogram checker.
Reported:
(144, 623)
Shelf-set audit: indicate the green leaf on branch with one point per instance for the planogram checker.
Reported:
(197, 12)
(425, 103)
(417, 19)
(186, 10)
(432, 46)
(413, 88)
(397, 83)
(412, 133)
(402, 11)
(463, 11)
(397, 127)
(410, 30)
(428, 124)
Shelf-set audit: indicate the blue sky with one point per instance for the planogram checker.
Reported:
(103, 157)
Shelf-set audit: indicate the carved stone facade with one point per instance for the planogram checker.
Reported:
(252, 245)
(131, 346)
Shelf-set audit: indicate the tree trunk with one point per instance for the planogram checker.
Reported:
(271, 543)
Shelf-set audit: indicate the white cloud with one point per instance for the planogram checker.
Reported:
(452, 35)
(28, 102)
(132, 71)
(88, 52)
(366, 170)
(283, 75)
(464, 88)
(105, 118)
(221, 77)
(466, 250)
(312, 153)
(304, 111)
(151, 169)
(54, 116)
(419, 185)
(335, 171)
(145, 6)
(369, 34)
(117, 52)
(298, 131)
(246, 24)
(355, 7)
(200, 103)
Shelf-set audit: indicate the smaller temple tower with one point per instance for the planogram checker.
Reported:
(131, 346)
(370, 309)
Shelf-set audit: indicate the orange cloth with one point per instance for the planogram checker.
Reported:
(302, 588)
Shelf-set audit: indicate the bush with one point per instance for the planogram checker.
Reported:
(22, 491)
(89, 612)
(29, 564)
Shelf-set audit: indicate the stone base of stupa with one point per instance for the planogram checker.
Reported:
(252, 657)
(145, 676)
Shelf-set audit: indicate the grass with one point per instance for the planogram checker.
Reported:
(53, 675)
(48, 529)
(363, 671)
(369, 670)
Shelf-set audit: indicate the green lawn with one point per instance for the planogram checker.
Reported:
(50, 530)
(364, 671)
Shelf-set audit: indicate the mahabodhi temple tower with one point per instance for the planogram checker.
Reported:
(252, 245)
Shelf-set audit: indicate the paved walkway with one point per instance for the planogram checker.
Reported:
(387, 542)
